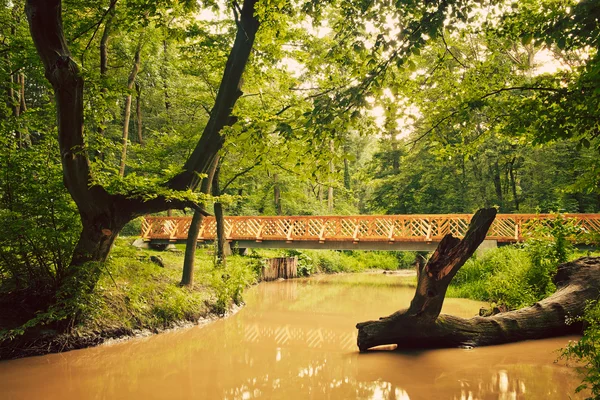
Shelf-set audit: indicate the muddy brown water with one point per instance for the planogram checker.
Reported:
(296, 340)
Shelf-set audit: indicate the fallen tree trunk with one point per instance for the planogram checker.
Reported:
(421, 326)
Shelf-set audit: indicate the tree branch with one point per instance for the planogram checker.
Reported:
(450, 52)
(465, 105)
(242, 172)
(95, 25)
(524, 88)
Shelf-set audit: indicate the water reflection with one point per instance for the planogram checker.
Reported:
(295, 340)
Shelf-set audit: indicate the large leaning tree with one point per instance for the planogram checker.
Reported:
(103, 214)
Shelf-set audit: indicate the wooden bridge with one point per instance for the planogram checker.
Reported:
(364, 232)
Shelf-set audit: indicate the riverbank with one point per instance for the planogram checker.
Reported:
(138, 296)
(133, 297)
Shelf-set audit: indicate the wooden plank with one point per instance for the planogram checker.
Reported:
(262, 225)
(428, 237)
(322, 233)
(356, 229)
(290, 230)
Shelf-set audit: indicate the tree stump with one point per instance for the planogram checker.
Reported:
(422, 326)
(280, 267)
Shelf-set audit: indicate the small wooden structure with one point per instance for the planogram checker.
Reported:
(279, 267)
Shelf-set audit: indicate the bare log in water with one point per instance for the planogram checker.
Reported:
(422, 326)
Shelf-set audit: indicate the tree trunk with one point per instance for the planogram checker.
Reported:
(513, 182)
(421, 326)
(104, 48)
(346, 174)
(277, 195)
(223, 249)
(138, 112)
(498, 184)
(164, 76)
(95, 244)
(63, 73)
(14, 103)
(331, 172)
(432, 282)
(130, 83)
(347, 178)
(320, 193)
(22, 104)
(395, 155)
(481, 183)
(10, 93)
(104, 60)
(187, 276)
(211, 140)
(578, 282)
(189, 259)
(14, 106)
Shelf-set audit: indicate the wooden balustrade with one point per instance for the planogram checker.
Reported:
(362, 228)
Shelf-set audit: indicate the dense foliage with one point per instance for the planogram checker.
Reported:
(587, 350)
(334, 118)
(345, 107)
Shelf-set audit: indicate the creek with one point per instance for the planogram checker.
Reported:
(296, 340)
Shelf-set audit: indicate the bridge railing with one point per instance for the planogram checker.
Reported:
(390, 228)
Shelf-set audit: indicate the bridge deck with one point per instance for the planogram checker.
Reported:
(354, 229)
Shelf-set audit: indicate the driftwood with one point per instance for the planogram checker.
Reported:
(422, 326)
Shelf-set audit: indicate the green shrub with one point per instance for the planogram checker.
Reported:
(40, 226)
(379, 259)
(521, 274)
(132, 228)
(407, 259)
(305, 262)
(38, 220)
(335, 261)
(548, 245)
(498, 276)
(229, 283)
(587, 350)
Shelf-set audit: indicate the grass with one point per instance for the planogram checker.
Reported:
(499, 276)
(135, 293)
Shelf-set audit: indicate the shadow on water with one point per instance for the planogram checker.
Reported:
(295, 340)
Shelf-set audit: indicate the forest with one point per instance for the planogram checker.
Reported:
(115, 109)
